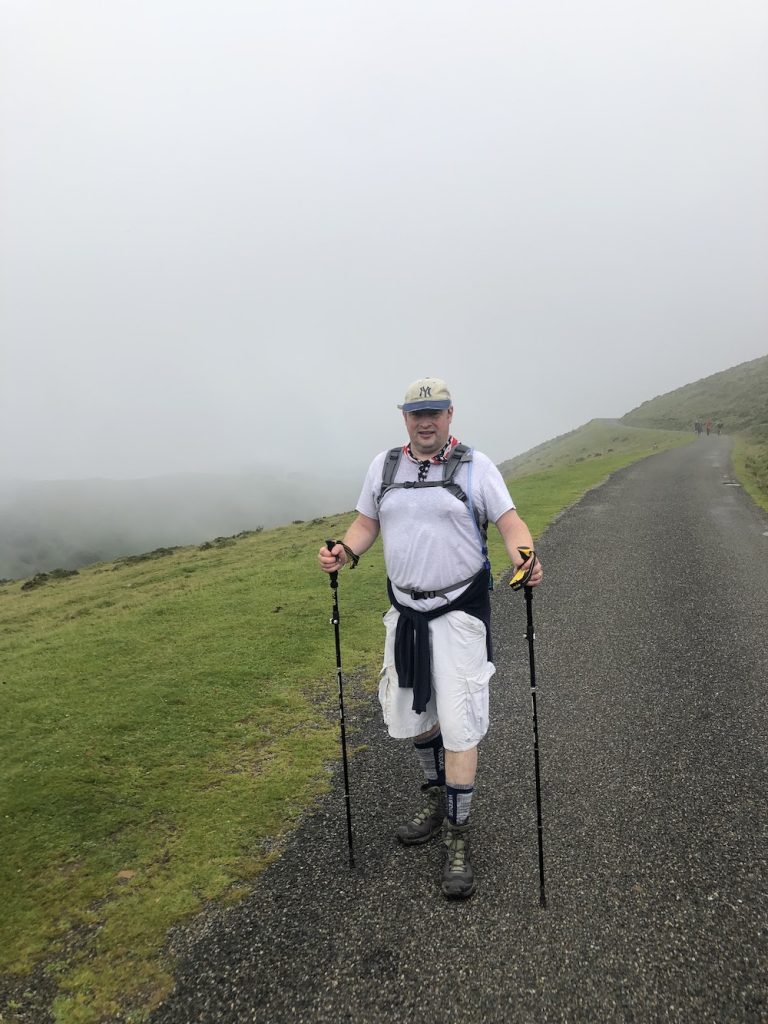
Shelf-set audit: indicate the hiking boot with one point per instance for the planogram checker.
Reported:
(428, 821)
(458, 877)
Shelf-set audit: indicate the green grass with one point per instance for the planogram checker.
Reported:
(164, 723)
(750, 464)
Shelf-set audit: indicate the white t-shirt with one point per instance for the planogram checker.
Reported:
(430, 537)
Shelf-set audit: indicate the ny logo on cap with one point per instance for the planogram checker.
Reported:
(425, 392)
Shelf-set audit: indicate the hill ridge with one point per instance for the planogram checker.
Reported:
(738, 396)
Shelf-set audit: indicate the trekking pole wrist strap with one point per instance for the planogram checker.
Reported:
(353, 558)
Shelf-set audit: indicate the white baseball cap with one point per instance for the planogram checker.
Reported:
(426, 393)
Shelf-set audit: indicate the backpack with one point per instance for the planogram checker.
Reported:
(461, 453)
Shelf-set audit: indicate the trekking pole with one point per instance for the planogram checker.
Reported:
(335, 623)
(520, 580)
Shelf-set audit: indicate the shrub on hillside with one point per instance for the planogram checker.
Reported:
(147, 556)
(41, 578)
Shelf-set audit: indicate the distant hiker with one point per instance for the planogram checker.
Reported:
(431, 500)
(719, 428)
(708, 426)
(697, 427)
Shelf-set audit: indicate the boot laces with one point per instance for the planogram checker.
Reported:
(429, 808)
(456, 853)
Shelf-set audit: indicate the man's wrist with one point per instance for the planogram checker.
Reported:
(351, 556)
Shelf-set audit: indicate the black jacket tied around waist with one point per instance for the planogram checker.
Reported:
(413, 661)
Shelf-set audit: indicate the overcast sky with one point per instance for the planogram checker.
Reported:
(233, 232)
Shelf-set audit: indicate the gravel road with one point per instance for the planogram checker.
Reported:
(651, 653)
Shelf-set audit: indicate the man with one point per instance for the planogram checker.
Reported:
(437, 658)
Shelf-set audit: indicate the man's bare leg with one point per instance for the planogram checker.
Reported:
(461, 766)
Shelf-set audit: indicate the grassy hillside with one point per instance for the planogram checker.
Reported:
(737, 397)
(164, 719)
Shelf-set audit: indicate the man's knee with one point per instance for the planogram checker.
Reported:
(424, 736)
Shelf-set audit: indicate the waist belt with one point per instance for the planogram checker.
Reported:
(421, 595)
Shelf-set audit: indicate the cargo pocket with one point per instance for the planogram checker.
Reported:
(385, 695)
(472, 663)
(469, 647)
(477, 692)
(387, 674)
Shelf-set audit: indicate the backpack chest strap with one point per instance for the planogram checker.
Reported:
(460, 454)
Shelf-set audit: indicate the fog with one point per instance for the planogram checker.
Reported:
(232, 234)
(68, 524)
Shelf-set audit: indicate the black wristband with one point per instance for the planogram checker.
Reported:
(350, 554)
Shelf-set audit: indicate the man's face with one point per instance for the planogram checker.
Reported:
(428, 430)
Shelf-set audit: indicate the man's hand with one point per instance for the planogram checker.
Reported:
(332, 561)
(522, 567)
(358, 538)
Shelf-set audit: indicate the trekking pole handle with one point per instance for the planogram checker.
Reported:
(334, 581)
(521, 576)
(331, 544)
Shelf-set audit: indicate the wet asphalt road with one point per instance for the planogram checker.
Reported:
(651, 653)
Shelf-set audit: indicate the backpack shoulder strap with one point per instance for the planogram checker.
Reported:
(391, 462)
(461, 453)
